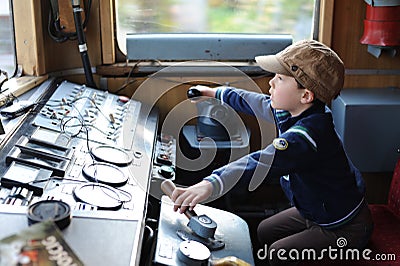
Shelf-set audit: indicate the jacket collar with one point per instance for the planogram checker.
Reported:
(285, 120)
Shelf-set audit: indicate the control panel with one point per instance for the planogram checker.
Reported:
(89, 149)
(79, 152)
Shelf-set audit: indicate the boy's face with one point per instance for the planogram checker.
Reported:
(286, 95)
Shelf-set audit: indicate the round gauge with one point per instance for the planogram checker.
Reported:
(111, 155)
(105, 173)
(100, 195)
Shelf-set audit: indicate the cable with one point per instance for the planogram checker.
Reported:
(127, 82)
(60, 103)
(3, 72)
(56, 30)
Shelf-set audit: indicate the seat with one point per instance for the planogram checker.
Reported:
(385, 239)
(386, 236)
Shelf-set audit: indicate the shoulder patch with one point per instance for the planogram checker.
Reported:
(280, 144)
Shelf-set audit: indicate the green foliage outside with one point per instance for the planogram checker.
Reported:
(217, 16)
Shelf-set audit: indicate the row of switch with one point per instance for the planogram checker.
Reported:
(164, 164)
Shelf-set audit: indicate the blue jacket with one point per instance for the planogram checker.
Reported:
(308, 156)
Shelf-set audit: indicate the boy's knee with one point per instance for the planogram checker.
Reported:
(267, 232)
(264, 233)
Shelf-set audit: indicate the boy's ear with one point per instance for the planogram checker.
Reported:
(308, 96)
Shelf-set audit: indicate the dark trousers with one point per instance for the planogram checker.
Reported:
(289, 238)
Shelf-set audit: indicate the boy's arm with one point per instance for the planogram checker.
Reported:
(254, 166)
(250, 171)
(252, 103)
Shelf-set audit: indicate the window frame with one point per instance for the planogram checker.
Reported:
(14, 71)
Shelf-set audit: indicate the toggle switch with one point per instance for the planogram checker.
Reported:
(163, 158)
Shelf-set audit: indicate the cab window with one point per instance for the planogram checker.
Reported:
(214, 16)
(7, 51)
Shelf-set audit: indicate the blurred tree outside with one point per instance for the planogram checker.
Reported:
(216, 16)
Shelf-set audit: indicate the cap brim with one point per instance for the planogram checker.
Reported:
(271, 64)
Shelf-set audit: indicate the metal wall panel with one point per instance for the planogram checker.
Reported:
(226, 47)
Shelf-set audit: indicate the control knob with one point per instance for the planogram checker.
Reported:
(166, 171)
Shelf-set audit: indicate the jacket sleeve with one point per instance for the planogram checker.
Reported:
(252, 103)
(291, 152)
(251, 169)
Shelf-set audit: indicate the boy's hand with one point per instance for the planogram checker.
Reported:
(187, 198)
(204, 90)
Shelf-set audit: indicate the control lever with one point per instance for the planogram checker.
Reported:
(192, 93)
(201, 225)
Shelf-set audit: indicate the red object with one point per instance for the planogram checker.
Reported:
(386, 235)
(382, 26)
(123, 99)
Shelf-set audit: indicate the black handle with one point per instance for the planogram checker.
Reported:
(192, 93)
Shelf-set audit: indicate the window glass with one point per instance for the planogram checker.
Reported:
(7, 55)
(215, 16)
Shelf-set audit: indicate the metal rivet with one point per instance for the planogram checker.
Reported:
(294, 68)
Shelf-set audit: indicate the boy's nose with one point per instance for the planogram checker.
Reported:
(271, 85)
(271, 81)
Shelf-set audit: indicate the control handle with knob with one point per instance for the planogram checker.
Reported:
(201, 225)
(168, 187)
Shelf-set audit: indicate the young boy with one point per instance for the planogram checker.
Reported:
(325, 189)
